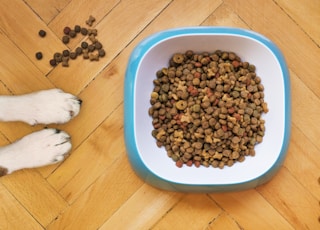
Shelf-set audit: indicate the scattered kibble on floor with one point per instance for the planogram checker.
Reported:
(91, 51)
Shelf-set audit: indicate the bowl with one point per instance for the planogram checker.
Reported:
(151, 163)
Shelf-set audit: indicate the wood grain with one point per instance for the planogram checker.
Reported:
(95, 187)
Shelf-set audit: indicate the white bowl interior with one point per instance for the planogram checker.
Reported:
(267, 67)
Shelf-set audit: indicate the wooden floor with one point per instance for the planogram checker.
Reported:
(95, 188)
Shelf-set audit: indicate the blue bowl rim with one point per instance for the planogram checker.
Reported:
(129, 133)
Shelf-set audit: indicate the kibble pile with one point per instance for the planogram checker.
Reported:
(92, 51)
(206, 109)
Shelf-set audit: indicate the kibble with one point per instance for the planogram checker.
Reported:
(42, 33)
(39, 55)
(90, 21)
(53, 62)
(65, 53)
(58, 57)
(92, 50)
(206, 109)
(66, 30)
(84, 31)
(65, 39)
(78, 50)
(94, 57)
(72, 34)
(77, 28)
(73, 55)
(84, 45)
(101, 52)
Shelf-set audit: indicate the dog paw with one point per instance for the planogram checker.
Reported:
(52, 106)
(37, 149)
(42, 107)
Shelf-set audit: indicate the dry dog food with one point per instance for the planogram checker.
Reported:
(92, 51)
(42, 33)
(39, 55)
(206, 109)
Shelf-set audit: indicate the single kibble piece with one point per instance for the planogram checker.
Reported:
(93, 32)
(42, 33)
(65, 53)
(65, 39)
(72, 33)
(85, 54)
(65, 61)
(73, 55)
(53, 62)
(78, 50)
(90, 21)
(84, 31)
(93, 38)
(98, 45)
(101, 52)
(94, 57)
(84, 45)
(58, 57)
(39, 55)
(91, 48)
(66, 30)
(77, 28)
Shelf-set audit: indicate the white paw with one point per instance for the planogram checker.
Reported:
(37, 149)
(53, 106)
(42, 107)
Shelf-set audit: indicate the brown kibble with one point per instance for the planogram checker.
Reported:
(94, 57)
(85, 54)
(207, 108)
(181, 105)
(84, 31)
(66, 30)
(179, 163)
(178, 58)
(72, 33)
(65, 39)
(101, 52)
(90, 21)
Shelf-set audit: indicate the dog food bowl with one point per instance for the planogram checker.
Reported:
(152, 163)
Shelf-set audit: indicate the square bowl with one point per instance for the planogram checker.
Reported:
(151, 163)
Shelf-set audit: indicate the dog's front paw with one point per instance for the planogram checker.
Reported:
(51, 106)
(37, 149)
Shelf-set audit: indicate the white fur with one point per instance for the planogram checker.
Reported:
(44, 147)
(37, 149)
(43, 107)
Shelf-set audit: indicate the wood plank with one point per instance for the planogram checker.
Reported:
(35, 194)
(292, 201)
(251, 210)
(267, 22)
(19, 75)
(104, 197)
(224, 221)
(305, 14)
(305, 109)
(70, 16)
(22, 28)
(143, 209)
(125, 30)
(47, 10)
(99, 152)
(194, 211)
(12, 214)
(304, 161)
